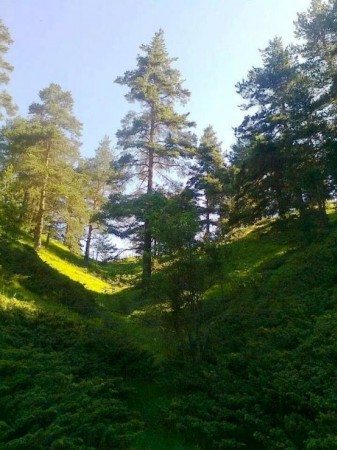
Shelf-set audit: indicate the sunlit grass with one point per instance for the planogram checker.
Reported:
(7, 304)
(74, 272)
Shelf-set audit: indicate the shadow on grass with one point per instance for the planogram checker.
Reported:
(44, 281)
(67, 255)
(122, 267)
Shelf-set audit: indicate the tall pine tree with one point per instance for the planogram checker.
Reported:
(273, 156)
(57, 148)
(156, 136)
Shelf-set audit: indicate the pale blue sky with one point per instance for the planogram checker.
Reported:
(84, 44)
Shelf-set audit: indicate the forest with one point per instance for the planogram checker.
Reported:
(220, 332)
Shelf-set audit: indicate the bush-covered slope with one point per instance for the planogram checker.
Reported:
(267, 375)
(62, 383)
(74, 375)
(81, 368)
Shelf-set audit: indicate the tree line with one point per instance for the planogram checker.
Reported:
(166, 190)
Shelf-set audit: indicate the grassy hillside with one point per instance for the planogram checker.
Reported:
(76, 372)
(88, 364)
(266, 376)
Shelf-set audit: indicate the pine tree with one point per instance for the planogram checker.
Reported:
(57, 148)
(5, 69)
(272, 157)
(317, 30)
(156, 136)
(101, 181)
(9, 203)
(208, 178)
(43, 152)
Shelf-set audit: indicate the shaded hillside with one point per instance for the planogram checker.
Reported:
(266, 375)
(257, 372)
(72, 376)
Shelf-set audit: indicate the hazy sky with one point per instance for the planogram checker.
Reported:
(83, 45)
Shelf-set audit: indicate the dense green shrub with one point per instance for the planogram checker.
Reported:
(267, 379)
(62, 385)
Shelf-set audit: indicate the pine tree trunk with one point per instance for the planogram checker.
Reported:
(279, 187)
(42, 204)
(48, 237)
(40, 217)
(96, 205)
(281, 204)
(300, 203)
(323, 218)
(147, 257)
(147, 248)
(88, 242)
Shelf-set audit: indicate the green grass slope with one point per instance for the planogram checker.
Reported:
(266, 378)
(88, 364)
(74, 373)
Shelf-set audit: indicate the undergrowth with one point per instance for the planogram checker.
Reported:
(86, 367)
